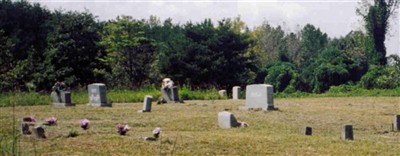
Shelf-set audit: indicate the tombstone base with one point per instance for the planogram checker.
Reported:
(269, 108)
(100, 104)
(143, 111)
(63, 104)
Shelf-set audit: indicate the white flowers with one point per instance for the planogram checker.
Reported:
(84, 124)
(122, 129)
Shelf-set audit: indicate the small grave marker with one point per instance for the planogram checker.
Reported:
(39, 132)
(236, 92)
(227, 120)
(147, 104)
(396, 123)
(222, 93)
(308, 130)
(347, 132)
(25, 128)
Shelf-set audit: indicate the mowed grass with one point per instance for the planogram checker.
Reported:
(191, 128)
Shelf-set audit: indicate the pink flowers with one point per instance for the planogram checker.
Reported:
(51, 121)
(84, 124)
(122, 129)
(29, 119)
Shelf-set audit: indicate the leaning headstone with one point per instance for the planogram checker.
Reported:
(259, 96)
(236, 92)
(222, 93)
(147, 104)
(39, 132)
(347, 132)
(396, 123)
(25, 128)
(169, 92)
(227, 120)
(98, 95)
(62, 99)
(308, 131)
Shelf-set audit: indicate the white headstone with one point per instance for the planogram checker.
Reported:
(226, 120)
(259, 96)
(98, 95)
(236, 92)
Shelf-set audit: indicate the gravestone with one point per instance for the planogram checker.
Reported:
(227, 120)
(170, 95)
(98, 95)
(347, 132)
(236, 92)
(259, 96)
(308, 131)
(396, 123)
(39, 132)
(222, 93)
(62, 99)
(147, 104)
(25, 128)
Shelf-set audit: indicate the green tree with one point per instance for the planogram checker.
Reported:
(73, 54)
(130, 52)
(24, 31)
(313, 41)
(281, 75)
(376, 18)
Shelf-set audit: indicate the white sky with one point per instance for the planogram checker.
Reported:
(334, 17)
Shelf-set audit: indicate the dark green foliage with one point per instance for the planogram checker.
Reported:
(381, 77)
(23, 33)
(281, 75)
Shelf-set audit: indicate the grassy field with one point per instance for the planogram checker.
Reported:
(191, 128)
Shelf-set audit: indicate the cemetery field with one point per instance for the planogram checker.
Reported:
(192, 128)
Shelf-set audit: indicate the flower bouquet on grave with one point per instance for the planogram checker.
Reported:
(122, 129)
(51, 121)
(84, 124)
(156, 134)
(29, 119)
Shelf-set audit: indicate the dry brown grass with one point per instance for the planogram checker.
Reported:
(191, 128)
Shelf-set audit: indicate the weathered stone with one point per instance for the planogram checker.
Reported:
(396, 123)
(170, 95)
(347, 132)
(147, 103)
(25, 128)
(308, 131)
(98, 95)
(259, 96)
(63, 98)
(226, 120)
(39, 132)
(222, 93)
(236, 92)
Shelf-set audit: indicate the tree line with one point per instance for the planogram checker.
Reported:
(39, 47)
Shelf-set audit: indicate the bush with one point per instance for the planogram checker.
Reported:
(381, 77)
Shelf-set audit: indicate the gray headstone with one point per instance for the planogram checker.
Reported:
(98, 95)
(147, 103)
(62, 99)
(347, 132)
(308, 131)
(25, 128)
(226, 120)
(396, 123)
(236, 92)
(39, 132)
(170, 94)
(222, 93)
(259, 96)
